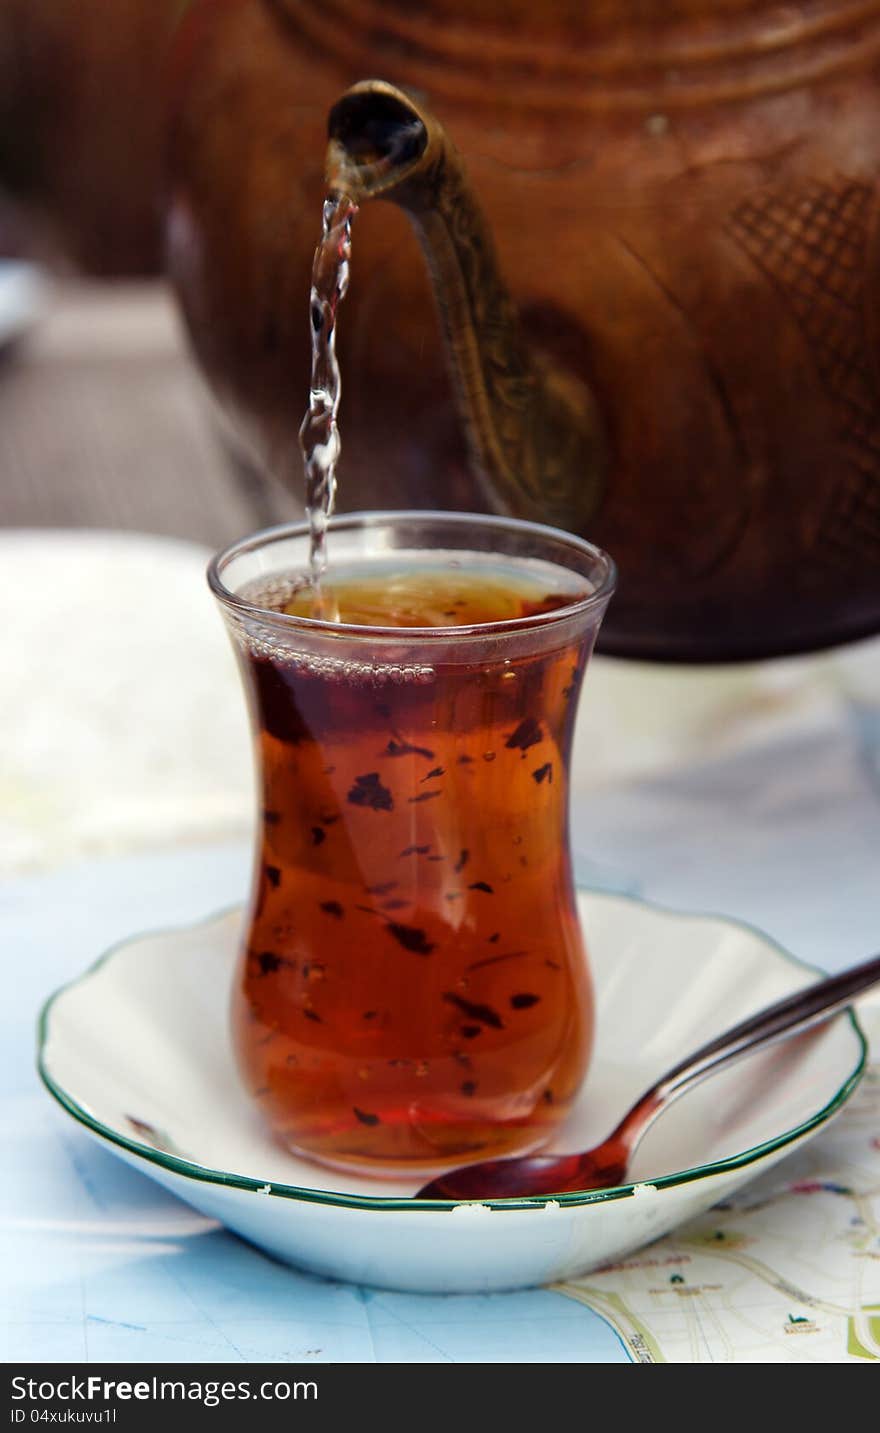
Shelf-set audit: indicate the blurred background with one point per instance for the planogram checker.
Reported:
(103, 420)
(123, 727)
(115, 480)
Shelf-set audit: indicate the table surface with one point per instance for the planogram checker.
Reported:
(780, 827)
(126, 805)
(103, 1265)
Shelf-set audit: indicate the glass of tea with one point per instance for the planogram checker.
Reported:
(413, 990)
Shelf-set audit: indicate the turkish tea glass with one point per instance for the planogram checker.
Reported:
(413, 989)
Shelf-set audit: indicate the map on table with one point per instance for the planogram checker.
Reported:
(787, 1272)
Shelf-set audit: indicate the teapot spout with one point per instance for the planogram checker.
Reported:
(534, 430)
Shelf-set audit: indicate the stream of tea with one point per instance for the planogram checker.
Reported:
(319, 433)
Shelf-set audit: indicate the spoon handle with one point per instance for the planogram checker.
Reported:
(796, 1012)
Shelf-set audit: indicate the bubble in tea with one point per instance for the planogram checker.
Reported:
(414, 992)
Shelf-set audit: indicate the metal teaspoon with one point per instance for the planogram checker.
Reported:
(607, 1164)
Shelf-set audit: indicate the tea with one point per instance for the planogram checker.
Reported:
(425, 597)
(415, 991)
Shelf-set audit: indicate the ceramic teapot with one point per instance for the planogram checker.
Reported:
(653, 238)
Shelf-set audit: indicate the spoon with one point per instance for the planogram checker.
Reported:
(607, 1164)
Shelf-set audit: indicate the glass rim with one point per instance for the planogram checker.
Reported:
(287, 621)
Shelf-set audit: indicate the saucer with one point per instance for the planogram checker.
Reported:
(137, 1050)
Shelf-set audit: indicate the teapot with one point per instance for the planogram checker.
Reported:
(651, 236)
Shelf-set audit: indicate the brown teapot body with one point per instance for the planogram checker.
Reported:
(684, 198)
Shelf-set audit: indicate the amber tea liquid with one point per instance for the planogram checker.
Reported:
(415, 992)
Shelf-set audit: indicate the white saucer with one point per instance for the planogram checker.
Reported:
(137, 1050)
